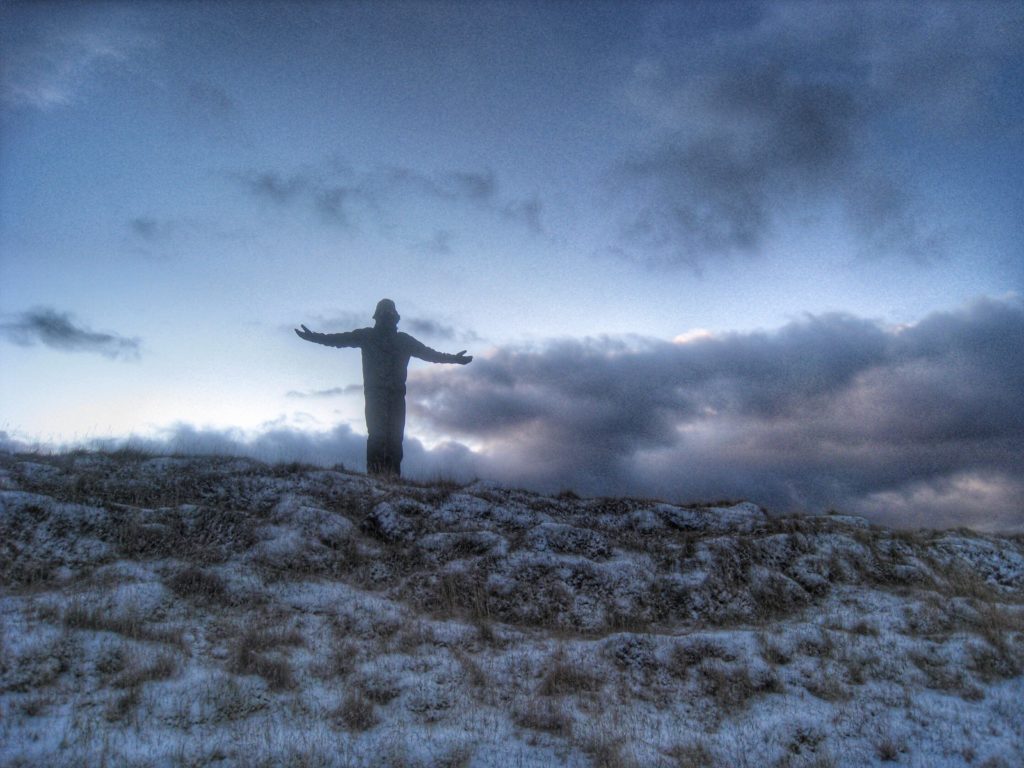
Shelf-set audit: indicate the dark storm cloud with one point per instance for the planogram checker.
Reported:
(341, 195)
(57, 330)
(827, 411)
(783, 110)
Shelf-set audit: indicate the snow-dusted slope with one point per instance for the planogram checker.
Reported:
(203, 611)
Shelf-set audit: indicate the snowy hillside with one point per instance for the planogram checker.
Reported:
(213, 612)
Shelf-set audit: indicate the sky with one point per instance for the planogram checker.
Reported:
(698, 251)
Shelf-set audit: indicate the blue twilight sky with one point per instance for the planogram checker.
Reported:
(699, 250)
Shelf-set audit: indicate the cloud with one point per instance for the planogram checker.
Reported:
(341, 195)
(435, 329)
(57, 330)
(438, 244)
(432, 328)
(830, 410)
(273, 186)
(151, 229)
(919, 425)
(279, 443)
(51, 59)
(527, 212)
(211, 100)
(786, 110)
(429, 328)
(351, 389)
(167, 237)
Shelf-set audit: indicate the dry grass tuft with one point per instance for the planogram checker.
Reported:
(194, 583)
(889, 749)
(772, 652)
(136, 672)
(339, 661)
(130, 624)
(543, 715)
(567, 679)
(606, 752)
(693, 755)
(255, 654)
(732, 686)
(356, 713)
(688, 653)
(475, 676)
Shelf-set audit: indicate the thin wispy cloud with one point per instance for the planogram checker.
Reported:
(351, 389)
(149, 228)
(210, 99)
(55, 64)
(437, 330)
(343, 196)
(164, 237)
(429, 327)
(58, 330)
(438, 244)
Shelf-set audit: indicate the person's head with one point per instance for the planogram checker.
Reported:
(386, 313)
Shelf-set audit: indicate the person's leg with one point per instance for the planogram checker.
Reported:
(377, 433)
(396, 431)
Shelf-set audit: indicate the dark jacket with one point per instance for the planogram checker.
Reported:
(386, 354)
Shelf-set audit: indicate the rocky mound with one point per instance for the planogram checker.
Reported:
(395, 621)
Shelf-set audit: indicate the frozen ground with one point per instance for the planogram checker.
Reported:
(160, 611)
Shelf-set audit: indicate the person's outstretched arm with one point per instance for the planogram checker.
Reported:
(347, 339)
(423, 352)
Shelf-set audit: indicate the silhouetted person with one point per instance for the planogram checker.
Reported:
(386, 353)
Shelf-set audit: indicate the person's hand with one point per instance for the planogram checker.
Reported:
(462, 358)
(305, 333)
